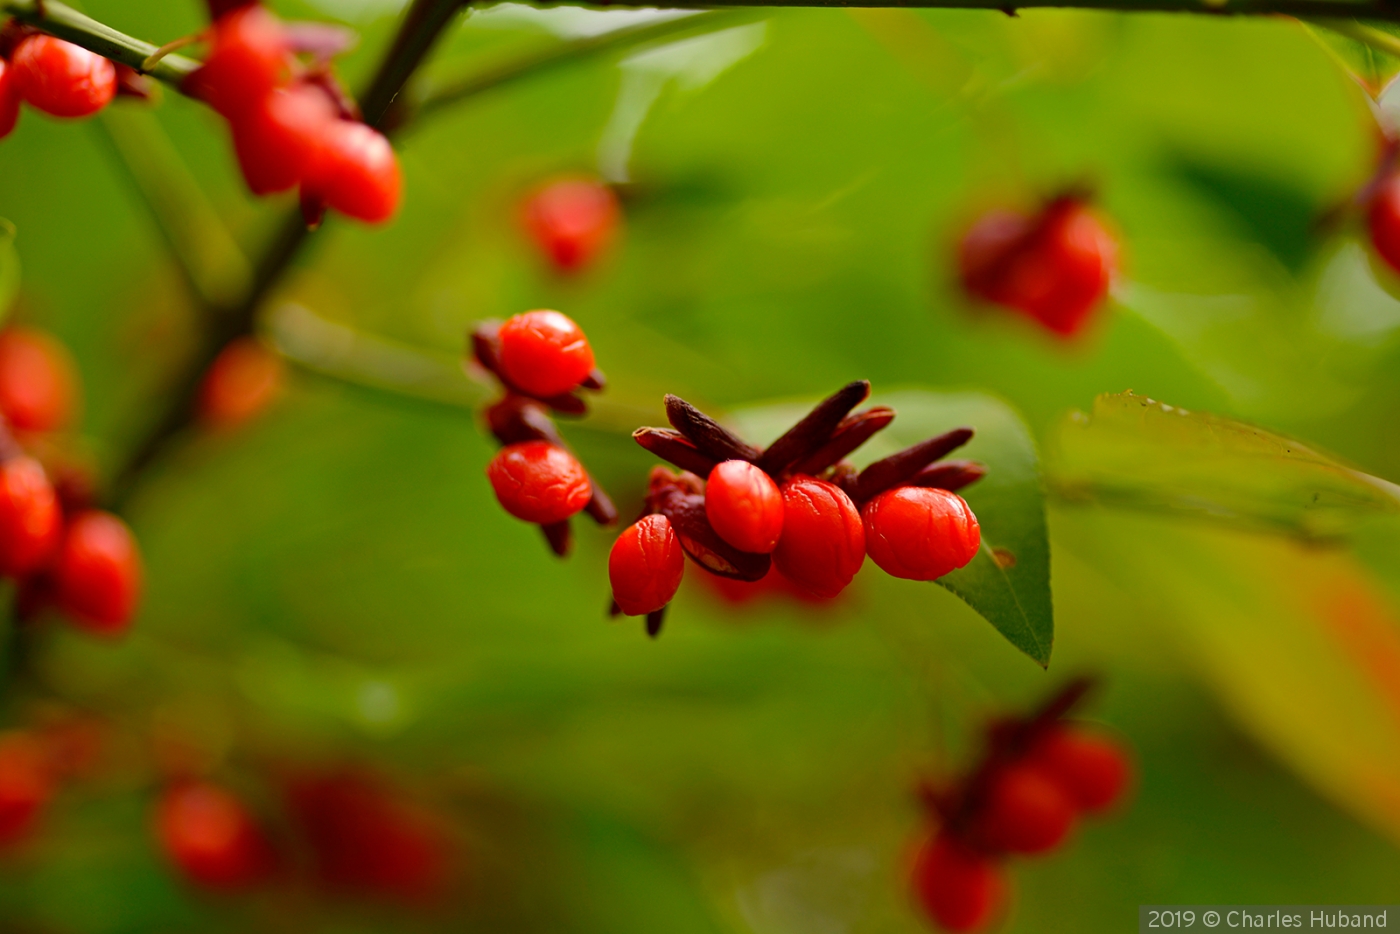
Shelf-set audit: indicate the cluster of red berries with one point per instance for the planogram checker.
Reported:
(292, 124)
(797, 507)
(1039, 774)
(572, 221)
(62, 552)
(541, 359)
(50, 75)
(360, 836)
(1055, 266)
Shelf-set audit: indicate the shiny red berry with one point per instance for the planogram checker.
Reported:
(544, 353)
(646, 565)
(25, 785)
(1384, 222)
(539, 482)
(9, 99)
(61, 78)
(249, 56)
(572, 221)
(30, 518)
(242, 381)
(211, 838)
(276, 137)
(97, 572)
(744, 506)
(1092, 770)
(823, 541)
(354, 170)
(919, 533)
(1025, 811)
(959, 889)
(38, 382)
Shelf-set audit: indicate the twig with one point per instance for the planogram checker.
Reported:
(67, 23)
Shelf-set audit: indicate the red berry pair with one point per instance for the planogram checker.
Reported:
(290, 130)
(572, 221)
(1038, 776)
(211, 838)
(1054, 267)
(51, 75)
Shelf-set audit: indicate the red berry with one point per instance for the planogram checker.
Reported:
(1384, 219)
(61, 78)
(959, 889)
(646, 565)
(242, 381)
(276, 138)
(9, 99)
(38, 383)
(744, 506)
(25, 785)
(984, 252)
(211, 838)
(30, 518)
(97, 573)
(823, 541)
(919, 533)
(539, 482)
(1092, 770)
(354, 170)
(544, 353)
(572, 221)
(1025, 811)
(249, 57)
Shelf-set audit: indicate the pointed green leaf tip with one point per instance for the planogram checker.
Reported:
(1008, 583)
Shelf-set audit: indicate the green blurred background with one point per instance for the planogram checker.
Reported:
(335, 582)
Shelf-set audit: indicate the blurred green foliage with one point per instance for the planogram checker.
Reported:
(336, 582)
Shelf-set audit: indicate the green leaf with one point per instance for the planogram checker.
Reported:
(1135, 451)
(1008, 582)
(9, 267)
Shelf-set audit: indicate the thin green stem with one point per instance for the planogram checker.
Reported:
(67, 23)
(1377, 39)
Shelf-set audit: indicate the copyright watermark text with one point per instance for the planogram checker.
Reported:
(1156, 918)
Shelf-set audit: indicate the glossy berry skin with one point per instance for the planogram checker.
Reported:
(960, 890)
(920, 533)
(276, 138)
(30, 518)
(25, 785)
(744, 506)
(544, 353)
(97, 572)
(211, 838)
(1092, 770)
(539, 482)
(242, 381)
(38, 382)
(823, 541)
(1384, 222)
(248, 58)
(572, 221)
(354, 170)
(9, 99)
(646, 566)
(62, 79)
(1025, 811)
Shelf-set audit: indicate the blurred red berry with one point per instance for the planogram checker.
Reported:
(25, 785)
(276, 137)
(97, 572)
(959, 889)
(572, 221)
(539, 482)
(1092, 770)
(744, 506)
(544, 353)
(248, 58)
(823, 541)
(9, 99)
(38, 382)
(30, 518)
(211, 838)
(353, 170)
(1025, 811)
(61, 78)
(1384, 222)
(920, 533)
(645, 566)
(242, 381)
